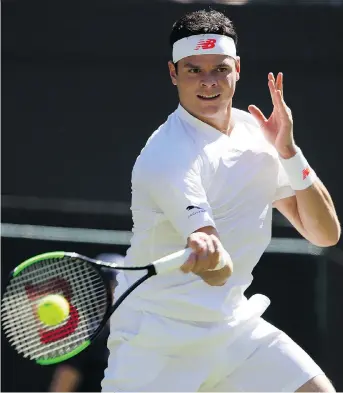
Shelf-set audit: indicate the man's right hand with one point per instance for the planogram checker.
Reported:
(207, 254)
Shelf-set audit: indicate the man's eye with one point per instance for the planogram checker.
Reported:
(194, 70)
(222, 69)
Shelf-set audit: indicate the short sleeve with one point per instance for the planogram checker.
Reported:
(283, 187)
(176, 187)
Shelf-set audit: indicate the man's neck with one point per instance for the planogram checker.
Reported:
(223, 123)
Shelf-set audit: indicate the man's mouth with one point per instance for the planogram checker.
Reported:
(208, 97)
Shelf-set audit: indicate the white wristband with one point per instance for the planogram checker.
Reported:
(299, 172)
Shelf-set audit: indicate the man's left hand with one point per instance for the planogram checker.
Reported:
(278, 129)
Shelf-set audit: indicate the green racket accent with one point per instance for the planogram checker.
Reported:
(37, 258)
(80, 348)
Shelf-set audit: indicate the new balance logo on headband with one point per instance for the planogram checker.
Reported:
(206, 44)
(216, 44)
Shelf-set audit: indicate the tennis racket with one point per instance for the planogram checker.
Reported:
(81, 281)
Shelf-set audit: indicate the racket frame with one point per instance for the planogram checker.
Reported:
(112, 303)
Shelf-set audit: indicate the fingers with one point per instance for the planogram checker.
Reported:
(188, 266)
(258, 115)
(217, 250)
(276, 94)
(210, 259)
(275, 86)
(198, 245)
(198, 242)
(276, 90)
(279, 82)
(203, 248)
(206, 253)
(272, 88)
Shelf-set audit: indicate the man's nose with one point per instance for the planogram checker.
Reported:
(209, 81)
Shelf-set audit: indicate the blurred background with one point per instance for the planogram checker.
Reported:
(85, 83)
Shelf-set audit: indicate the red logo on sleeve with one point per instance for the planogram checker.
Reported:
(306, 172)
(206, 44)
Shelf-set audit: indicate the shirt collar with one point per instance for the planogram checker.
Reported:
(210, 131)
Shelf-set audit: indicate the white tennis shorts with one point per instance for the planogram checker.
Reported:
(152, 353)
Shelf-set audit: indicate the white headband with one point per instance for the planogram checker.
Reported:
(211, 44)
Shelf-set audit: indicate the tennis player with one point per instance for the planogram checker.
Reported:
(209, 178)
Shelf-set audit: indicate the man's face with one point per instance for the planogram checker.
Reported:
(206, 83)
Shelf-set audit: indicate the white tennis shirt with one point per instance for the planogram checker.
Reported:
(190, 175)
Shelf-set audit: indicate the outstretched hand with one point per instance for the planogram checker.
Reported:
(278, 128)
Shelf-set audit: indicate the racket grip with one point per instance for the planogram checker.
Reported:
(173, 261)
(176, 260)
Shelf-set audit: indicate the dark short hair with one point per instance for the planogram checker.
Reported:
(202, 22)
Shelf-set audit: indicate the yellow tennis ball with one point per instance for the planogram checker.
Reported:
(53, 309)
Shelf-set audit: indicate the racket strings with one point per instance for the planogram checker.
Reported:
(54, 291)
(37, 352)
(12, 304)
(83, 287)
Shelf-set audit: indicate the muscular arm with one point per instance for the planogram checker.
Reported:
(312, 213)
(215, 277)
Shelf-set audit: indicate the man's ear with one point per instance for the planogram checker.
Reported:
(238, 68)
(172, 72)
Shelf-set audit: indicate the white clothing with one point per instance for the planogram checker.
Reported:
(175, 332)
(190, 175)
(153, 353)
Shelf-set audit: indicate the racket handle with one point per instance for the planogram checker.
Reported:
(176, 260)
(173, 261)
